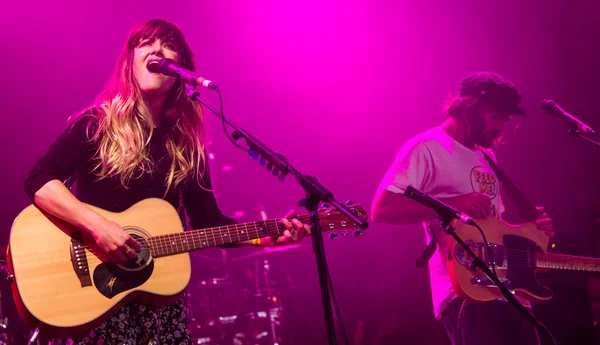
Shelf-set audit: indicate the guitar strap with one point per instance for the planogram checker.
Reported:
(429, 250)
(181, 207)
(526, 210)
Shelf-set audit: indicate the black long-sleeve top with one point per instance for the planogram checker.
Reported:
(72, 154)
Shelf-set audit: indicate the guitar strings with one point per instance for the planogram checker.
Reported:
(520, 256)
(216, 234)
(164, 243)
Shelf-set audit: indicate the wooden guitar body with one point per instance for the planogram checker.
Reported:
(64, 285)
(512, 249)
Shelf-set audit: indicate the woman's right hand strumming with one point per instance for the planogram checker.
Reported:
(112, 239)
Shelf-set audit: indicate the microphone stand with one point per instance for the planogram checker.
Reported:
(315, 192)
(576, 133)
(445, 222)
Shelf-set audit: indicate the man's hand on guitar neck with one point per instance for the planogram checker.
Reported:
(544, 223)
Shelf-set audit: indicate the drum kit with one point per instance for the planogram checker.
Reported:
(241, 304)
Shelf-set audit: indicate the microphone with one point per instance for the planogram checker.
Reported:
(442, 209)
(551, 108)
(169, 67)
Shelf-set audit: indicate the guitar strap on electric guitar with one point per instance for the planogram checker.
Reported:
(526, 210)
(429, 250)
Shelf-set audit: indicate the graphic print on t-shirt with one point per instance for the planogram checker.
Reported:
(484, 182)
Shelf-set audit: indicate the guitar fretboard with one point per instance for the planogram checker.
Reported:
(188, 241)
(567, 262)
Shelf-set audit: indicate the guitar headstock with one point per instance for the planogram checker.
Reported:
(331, 219)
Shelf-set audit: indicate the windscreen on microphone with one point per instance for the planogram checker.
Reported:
(549, 107)
(162, 66)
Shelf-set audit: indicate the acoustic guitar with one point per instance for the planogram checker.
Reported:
(64, 285)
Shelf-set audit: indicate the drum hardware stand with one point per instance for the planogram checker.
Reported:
(34, 333)
(3, 325)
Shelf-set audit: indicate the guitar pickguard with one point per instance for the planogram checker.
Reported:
(110, 279)
(521, 265)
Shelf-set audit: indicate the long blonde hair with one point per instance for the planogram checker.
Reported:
(123, 124)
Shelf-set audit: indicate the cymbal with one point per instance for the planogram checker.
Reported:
(264, 251)
(197, 255)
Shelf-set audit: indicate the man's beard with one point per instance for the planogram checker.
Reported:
(480, 137)
(487, 139)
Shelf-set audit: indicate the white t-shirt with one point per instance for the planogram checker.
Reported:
(435, 163)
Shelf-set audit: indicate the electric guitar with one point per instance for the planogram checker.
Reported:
(517, 252)
(63, 284)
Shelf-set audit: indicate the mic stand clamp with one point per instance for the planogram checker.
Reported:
(577, 134)
(446, 223)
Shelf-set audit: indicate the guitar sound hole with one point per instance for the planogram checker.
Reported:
(142, 258)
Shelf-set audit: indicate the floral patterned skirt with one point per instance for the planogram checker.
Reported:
(140, 324)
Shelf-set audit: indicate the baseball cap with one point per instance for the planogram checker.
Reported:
(494, 89)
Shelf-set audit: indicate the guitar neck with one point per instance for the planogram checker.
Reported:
(566, 262)
(188, 241)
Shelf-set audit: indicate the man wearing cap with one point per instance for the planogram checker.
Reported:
(449, 162)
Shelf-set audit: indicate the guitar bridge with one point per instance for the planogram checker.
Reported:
(79, 260)
(487, 282)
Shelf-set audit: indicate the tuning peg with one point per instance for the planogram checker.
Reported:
(333, 236)
(357, 233)
(344, 233)
(349, 203)
(324, 205)
(253, 153)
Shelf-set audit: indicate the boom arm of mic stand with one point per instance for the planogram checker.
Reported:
(310, 184)
(318, 191)
(278, 162)
(315, 192)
